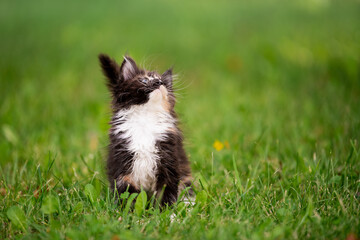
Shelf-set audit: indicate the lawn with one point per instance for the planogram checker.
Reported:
(268, 99)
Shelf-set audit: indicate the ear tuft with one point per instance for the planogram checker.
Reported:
(128, 69)
(110, 69)
(167, 77)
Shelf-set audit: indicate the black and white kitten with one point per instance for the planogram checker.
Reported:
(146, 149)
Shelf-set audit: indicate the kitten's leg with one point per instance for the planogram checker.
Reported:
(167, 185)
(184, 170)
(124, 183)
(188, 196)
(186, 182)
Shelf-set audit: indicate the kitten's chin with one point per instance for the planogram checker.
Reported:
(159, 94)
(155, 95)
(164, 91)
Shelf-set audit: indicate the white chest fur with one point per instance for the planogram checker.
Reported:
(142, 126)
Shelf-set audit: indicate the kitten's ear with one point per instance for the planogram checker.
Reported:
(110, 69)
(167, 77)
(128, 69)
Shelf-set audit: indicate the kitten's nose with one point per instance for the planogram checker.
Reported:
(157, 82)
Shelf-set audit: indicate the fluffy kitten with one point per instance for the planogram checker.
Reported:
(146, 149)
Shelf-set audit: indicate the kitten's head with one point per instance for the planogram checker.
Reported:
(130, 85)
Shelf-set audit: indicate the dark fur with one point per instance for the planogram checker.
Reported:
(127, 90)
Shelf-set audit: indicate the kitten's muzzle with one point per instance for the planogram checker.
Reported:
(153, 85)
(156, 83)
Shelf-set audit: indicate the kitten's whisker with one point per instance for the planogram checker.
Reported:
(182, 85)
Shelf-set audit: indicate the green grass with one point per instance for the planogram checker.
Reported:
(278, 81)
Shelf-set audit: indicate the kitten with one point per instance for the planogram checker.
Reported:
(146, 149)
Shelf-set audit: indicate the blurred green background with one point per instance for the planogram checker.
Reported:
(277, 83)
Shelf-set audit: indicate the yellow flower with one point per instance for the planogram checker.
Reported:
(218, 145)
